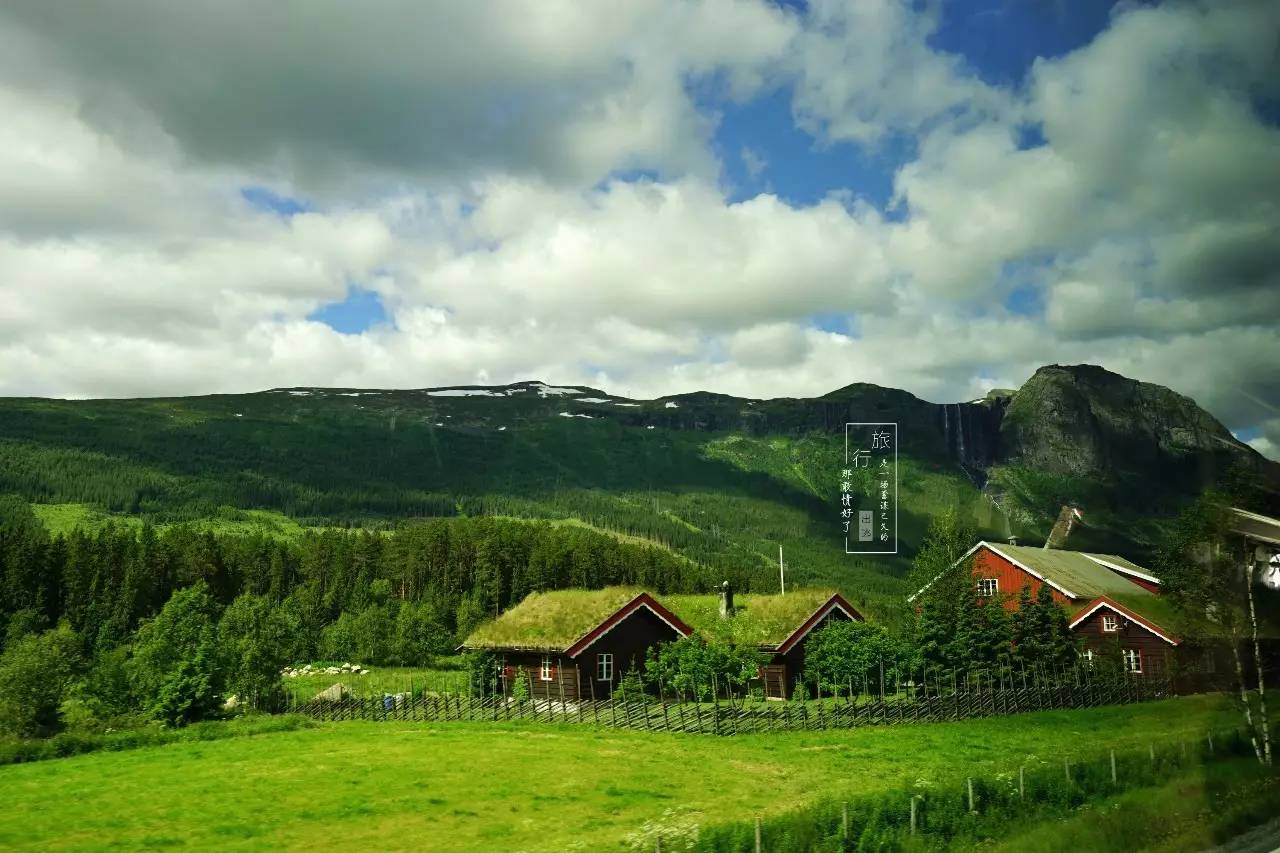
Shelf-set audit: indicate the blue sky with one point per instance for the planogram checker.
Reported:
(762, 150)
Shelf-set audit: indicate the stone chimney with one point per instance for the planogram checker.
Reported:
(1062, 528)
(726, 600)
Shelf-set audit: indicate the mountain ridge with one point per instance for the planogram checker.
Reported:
(720, 479)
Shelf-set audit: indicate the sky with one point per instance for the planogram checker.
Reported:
(742, 196)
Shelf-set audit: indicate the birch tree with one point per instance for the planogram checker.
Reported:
(1209, 574)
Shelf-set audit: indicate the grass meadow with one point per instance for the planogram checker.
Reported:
(531, 787)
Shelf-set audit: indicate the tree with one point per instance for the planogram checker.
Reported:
(36, 673)
(943, 582)
(691, 666)
(254, 638)
(175, 669)
(1059, 643)
(1209, 575)
(843, 656)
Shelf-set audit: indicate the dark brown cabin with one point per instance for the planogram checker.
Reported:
(576, 644)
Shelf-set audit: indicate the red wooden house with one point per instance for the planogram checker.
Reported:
(1111, 602)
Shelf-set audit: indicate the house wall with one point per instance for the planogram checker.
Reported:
(779, 676)
(628, 641)
(1157, 655)
(988, 564)
(564, 680)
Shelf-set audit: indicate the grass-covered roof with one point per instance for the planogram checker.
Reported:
(551, 620)
(763, 620)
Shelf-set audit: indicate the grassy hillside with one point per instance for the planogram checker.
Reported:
(497, 786)
(719, 480)
(280, 462)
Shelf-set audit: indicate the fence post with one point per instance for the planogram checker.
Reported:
(759, 848)
(969, 782)
(1113, 767)
(913, 814)
(1151, 750)
(1022, 788)
(844, 818)
(1066, 769)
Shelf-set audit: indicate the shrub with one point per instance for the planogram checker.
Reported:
(36, 674)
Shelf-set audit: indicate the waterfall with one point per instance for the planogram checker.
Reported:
(946, 429)
(960, 430)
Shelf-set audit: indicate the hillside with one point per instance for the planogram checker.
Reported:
(718, 479)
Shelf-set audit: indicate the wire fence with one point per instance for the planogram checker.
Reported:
(975, 807)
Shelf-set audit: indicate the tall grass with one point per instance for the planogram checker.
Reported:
(959, 815)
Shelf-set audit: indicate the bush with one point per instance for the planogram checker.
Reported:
(36, 674)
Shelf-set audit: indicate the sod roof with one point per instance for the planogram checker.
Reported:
(761, 620)
(551, 621)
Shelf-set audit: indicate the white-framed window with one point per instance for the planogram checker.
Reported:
(1132, 660)
(604, 666)
(988, 587)
(1109, 623)
(545, 673)
(1087, 657)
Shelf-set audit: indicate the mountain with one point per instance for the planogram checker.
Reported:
(718, 479)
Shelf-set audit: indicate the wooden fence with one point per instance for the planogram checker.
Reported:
(730, 717)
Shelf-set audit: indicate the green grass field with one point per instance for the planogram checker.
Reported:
(479, 786)
(380, 680)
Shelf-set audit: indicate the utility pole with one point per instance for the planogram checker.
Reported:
(782, 573)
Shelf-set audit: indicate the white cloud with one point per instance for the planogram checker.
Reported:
(325, 92)
(463, 173)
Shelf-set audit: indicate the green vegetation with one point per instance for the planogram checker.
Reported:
(446, 676)
(453, 787)
(972, 813)
(1193, 811)
(757, 619)
(551, 620)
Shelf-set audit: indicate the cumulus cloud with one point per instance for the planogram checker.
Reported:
(315, 91)
(476, 167)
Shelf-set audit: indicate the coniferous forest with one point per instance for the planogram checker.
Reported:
(240, 607)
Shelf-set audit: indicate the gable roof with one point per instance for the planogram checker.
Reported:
(1252, 525)
(1075, 574)
(1103, 602)
(567, 620)
(766, 621)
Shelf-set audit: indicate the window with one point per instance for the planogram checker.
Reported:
(545, 673)
(604, 666)
(988, 587)
(1087, 657)
(1132, 661)
(1109, 623)
(1210, 662)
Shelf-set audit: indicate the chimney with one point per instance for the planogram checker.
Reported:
(1013, 540)
(726, 600)
(1067, 519)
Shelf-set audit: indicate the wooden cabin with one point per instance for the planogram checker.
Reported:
(576, 644)
(1111, 603)
(777, 625)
